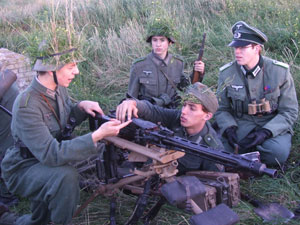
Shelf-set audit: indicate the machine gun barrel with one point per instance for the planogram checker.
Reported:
(218, 156)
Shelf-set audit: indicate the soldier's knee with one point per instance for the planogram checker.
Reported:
(69, 176)
(273, 156)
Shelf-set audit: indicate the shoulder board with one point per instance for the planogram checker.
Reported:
(225, 66)
(24, 99)
(139, 60)
(178, 57)
(281, 64)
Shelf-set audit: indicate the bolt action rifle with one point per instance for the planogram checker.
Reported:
(197, 77)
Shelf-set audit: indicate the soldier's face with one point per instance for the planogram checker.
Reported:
(193, 117)
(247, 56)
(160, 45)
(66, 74)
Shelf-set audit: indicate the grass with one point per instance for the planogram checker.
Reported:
(115, 32)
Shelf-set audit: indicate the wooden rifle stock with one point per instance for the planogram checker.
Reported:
(197, 76)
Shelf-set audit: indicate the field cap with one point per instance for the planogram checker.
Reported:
(199, 93)
(244, 34)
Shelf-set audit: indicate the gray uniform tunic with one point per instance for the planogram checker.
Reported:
(6, 139)
(148, 80)
(274, 83)
(170, 118)
(47, 178)
(7, 101)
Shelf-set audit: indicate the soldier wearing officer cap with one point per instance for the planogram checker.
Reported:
(191, 122)
(157, 76)
(38, 166)
(258, 104)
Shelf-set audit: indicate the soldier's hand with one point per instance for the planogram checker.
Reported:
(108, 129)
(127, 108)
(199, 66)
(257, 137)
(230, 134)
(176, 100)
(90, 107)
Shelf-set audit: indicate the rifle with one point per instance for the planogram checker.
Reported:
(197, 77)
(147, 133)
(5, 110)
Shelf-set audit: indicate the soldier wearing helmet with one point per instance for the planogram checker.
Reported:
(258, 106)
(38, 166)
(157, 76)
(191, 122)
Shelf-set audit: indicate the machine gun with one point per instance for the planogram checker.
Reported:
(145, 140)
(145, 132)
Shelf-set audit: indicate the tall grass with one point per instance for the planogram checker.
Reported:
(115, 34)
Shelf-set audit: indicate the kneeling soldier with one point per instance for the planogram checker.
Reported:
(38, 166)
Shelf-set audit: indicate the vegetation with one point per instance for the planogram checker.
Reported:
(115, 32)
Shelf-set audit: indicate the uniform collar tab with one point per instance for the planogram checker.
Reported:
(255, 70)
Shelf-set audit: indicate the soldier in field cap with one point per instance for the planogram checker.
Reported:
(258, 104)
(191, 122)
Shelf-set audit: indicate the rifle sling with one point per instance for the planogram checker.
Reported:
(168, 78)
(52, 110)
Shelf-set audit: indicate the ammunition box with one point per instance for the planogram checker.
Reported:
(207, 201)
(230, 181)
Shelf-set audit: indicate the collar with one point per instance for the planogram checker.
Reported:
(158, 61)
(37, 85)
(254, 71)
(198, 136)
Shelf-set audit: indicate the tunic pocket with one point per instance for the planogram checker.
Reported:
(51, 123)
(273, 97)
(239, 102)
(148, 86)
(236, 94)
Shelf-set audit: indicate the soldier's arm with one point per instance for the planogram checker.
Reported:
(36, 129)
(134, 85)
(287, 108)
(224, 115)
(145, 110)
(76, 112)
(155, 114)
(184, 79)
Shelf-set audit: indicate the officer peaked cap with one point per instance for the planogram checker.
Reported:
(244, 34)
